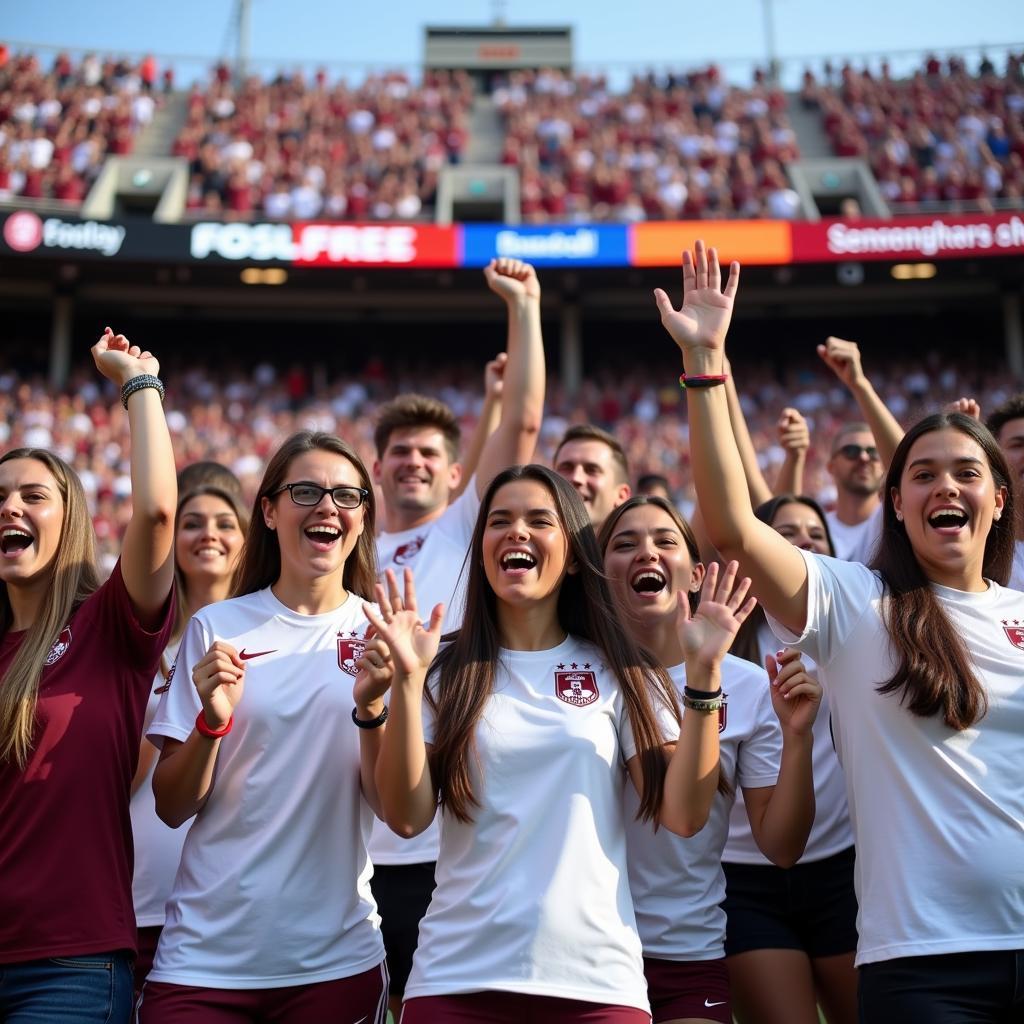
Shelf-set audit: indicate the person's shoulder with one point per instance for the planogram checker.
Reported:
(229, 610)
(739, 671)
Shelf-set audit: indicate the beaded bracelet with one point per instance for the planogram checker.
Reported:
(143, 380)
(373, 723)
(704, 380)
(706, 707)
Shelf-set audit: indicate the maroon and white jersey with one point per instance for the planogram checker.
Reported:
(938, 815)
(273, 887)
(65, 830)
(533, 895)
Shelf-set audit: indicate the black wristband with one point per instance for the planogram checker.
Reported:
(373, 723)
(689, 691)
(138, 383)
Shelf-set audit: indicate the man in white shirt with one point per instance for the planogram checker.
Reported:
(1007, 425)
(418, 471)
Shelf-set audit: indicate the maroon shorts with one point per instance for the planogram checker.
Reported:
(515, 1008)
(147, 938)
(688, 988)
(363, 997)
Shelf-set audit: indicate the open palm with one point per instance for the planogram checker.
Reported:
(412, 645)
(708, 634)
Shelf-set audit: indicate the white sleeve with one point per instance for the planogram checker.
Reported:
(759, 758)
(180, 704)
(839, 594)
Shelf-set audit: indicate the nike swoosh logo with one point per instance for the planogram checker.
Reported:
(245, 656)
(722, 1003)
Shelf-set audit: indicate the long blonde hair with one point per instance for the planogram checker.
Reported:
(73, 578)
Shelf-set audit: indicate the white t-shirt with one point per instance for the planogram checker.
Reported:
(855, 543)
(678, 884)
(938, 815)
(157, 847)
(533, 895)
(831, 832)
(435, 552)
(1017, 572)
(273, 888)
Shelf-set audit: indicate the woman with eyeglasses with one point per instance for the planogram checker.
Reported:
(266, 738)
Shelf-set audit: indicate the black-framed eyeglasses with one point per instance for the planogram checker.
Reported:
(854, 451)
(309, 494)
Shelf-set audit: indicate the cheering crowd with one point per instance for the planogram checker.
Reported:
(446, 731)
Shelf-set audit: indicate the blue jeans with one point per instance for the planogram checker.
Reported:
(91, 989)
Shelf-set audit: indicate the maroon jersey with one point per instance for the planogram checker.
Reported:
(66, 852)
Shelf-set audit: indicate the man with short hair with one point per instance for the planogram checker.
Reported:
(593, 461)
(417, 470)
(1007, 425)
(856, 468)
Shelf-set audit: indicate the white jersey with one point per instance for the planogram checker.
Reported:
(678, 884)
(157, 847)
(831, 832)
(856, 543)
(435, 552)
(938, 815)
(1017, 572)
(533, 895)
(273, 888)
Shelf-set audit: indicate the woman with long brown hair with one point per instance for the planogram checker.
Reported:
(764, 741)
(922, 658)
(76, 661)
(271, 914)
(535, 714)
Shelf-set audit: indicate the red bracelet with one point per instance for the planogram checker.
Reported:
(215, 734)
(704, 380)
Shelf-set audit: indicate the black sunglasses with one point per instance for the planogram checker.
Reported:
(854, 451)
(309, 494)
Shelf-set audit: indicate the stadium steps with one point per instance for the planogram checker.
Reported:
(486, 133)
(158, 136)
(810, 135)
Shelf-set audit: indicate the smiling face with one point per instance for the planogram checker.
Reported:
(590, 466)
(315, 541)
(416, 474)
(525, 550)
(208, 540)
(649, 563)
(859, 474)
(802, 527)
(31, 521)
(947, 499)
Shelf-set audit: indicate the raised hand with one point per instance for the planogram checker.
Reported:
(703, 319)
(512, 279)
(968, 406)
(374, 671)
(794, 434)
(494, 376)
(119, 360)
(398, 623)
(219, 679)
(796, 694)
(843, 359)
(708, 634)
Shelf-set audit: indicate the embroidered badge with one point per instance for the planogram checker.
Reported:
(408, 551)
(350, 650)
(1014, 633)
(60, 646)
(723, 712)
(166, 685)
(576, 686)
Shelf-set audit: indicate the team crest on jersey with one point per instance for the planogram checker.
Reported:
(166, 684)
(408, 551)
(1013, 628)
(60, 646)
(576, 686)
(350, 650)
(723, 712)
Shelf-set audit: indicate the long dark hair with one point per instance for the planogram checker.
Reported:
(465, 668)
(260, 563)
(745, 645)
(935, 674)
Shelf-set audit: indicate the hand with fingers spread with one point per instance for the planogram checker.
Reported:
(374, 673)
(512, 279)
(219, 678)
(398, 624)
(794, 434)
(968, 406)
(843, 359)
(796, 695)
(708, 634)
(703, 319)
(494, 376)
(119, 360)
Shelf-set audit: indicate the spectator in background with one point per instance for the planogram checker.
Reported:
(1007, 424)
(593, 461)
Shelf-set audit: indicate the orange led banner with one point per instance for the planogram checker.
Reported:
(753, 242)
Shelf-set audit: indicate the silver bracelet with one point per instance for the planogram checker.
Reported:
(143, 380)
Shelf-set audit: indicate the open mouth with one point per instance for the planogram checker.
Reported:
(322, 536)
(13, 540)
(517, 562)
(649, 581)
(948, 520)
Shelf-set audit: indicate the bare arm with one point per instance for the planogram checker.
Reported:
(795, 439)
(375, 672)
(776, 568)
(843, 358)
(760, 492)
(147, 755)
(147, 563)
(522, 405)
(490, 414)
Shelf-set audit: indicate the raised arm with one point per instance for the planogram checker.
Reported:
(490, 414)
(406, 792)
(147, 562)
(843, 359)
(699, 328)
(760, 492)
(795, 439)
(522, 405)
